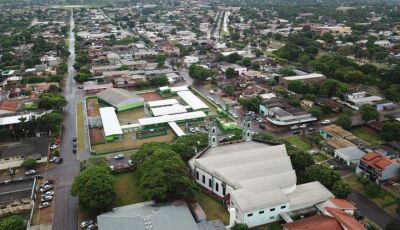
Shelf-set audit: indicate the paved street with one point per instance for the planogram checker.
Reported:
(65, 209)
(370, 210)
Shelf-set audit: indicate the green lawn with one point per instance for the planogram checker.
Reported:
(383, 200)
(320, 156)
(127, 190)
(80, 129)
(367, 134)
(298, 142)
(212, 208)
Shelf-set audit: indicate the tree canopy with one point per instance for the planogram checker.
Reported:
(12, 223)
(200, 73)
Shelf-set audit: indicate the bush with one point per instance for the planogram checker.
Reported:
(29, 164)
(240, 227)
(371, 190)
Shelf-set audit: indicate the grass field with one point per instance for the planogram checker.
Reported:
(367, 134)
(127, 189)
(299, 142)
(383, 200)
(212, 208)
(320, 157)
(80, 129)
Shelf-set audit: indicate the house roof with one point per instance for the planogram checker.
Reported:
(350, 153)
(342, 203)
(192, 100)
(9, 105)
(141, 216)
(314, 223)
(345, 220)
(33, 146)
(110, 121)
(377, 161)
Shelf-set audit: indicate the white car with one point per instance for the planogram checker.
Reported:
(86, 223)
(192, 130)
(294, 127)
(235, 116)
(44, 205)
(46, 198)
(197, 129)
(119, 156)
(325, 122)
(303, 126)
(54, 146)
(130, 163)
(46, 188)
(30, 172)
(50, 193)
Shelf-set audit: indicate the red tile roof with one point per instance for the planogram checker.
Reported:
(9, 105)
(342, 203)
(314, 223)
(345, 220)
(376, 160)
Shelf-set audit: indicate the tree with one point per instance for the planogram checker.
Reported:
(233, 58)
(230, 72)
(50, 123)
(393, 93)
(251, 103)
(287, 72)
(160, 59)
(29, 164)
(295, 86)
(200, 73)
(371, 190)
(51, 101)
(323, 174)
(332, 88)
(12, 223)
(394, 225)
(344, 121)
(82, 77)
(186, 146)
(368, 68)
(368, 113)
(246, 62)
(341, 189)
(229, 89)
(301, 161)
(235, 36)
(391, 131)
(94, 187)
(316, 111)
(163, 176)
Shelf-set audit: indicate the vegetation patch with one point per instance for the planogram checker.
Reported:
(127, 189)
(368, 135)
(213, 209)
(298, 142)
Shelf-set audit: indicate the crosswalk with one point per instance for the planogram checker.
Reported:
(63, 184)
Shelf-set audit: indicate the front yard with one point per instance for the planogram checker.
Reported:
(367, 134)
(213, 209)
(299, 142)
(127, 189)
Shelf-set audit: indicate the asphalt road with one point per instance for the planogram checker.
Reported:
(65, 215)
(370, 210)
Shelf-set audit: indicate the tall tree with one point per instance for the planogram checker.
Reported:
(369, 113)
(12, 223)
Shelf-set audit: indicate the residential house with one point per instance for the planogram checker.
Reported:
(329, 103)
(337, 137)
(8, 106)
(239, 70)
(378, 168)
(190, 60)
(288, 116)
(337, 203)
(349, 155)
(313, 78)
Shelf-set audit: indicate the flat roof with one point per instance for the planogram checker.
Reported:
(159, 103)
(192, 100)
(168, 110)
(19, 189)
(178, 131)
(365, 99)
(308, 195)
(304, 77)
(119, 97)
(169, 118)
(110, 121)
(33, 146)
(350, 153)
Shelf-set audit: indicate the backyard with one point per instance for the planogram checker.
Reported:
(299, 142)
(368, 135)
(212, 208)
(320, 156)
(126, 189)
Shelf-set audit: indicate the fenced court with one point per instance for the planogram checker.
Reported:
(96, 136)
(92, 106)
(150, 96)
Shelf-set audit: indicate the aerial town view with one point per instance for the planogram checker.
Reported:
(199, 114)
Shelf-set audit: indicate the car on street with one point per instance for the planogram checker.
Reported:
(197, 129)
(91, 227)
(119, 156)
(325, 122)
(44, 205)
(294, 127)
(235, 116)
(86, 223)
(54, 146)
(74, 149)
(74, 144)
(192, 130)
(59, 160)
(30, 172)
(53, 159)
(74, 139)
(303, 126)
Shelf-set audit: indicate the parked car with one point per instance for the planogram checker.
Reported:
(59, 160)
(294, 127)
(262, 126)
(48, 182)
(325, 122)
(197, 129)
(30, 172)
(91, 227)
(333, 167)
(46, 188)
(235, 116)
(119, 156)
(303, 126)
(54, 146)
(192, 130)
(74, 144)
(74, 149)
(74, 139)
(50, 193)
(44, 205)
(46, 198)
(86, 223)
(130, 163)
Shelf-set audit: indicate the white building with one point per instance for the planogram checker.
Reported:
(189, 60)
(258, 179)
